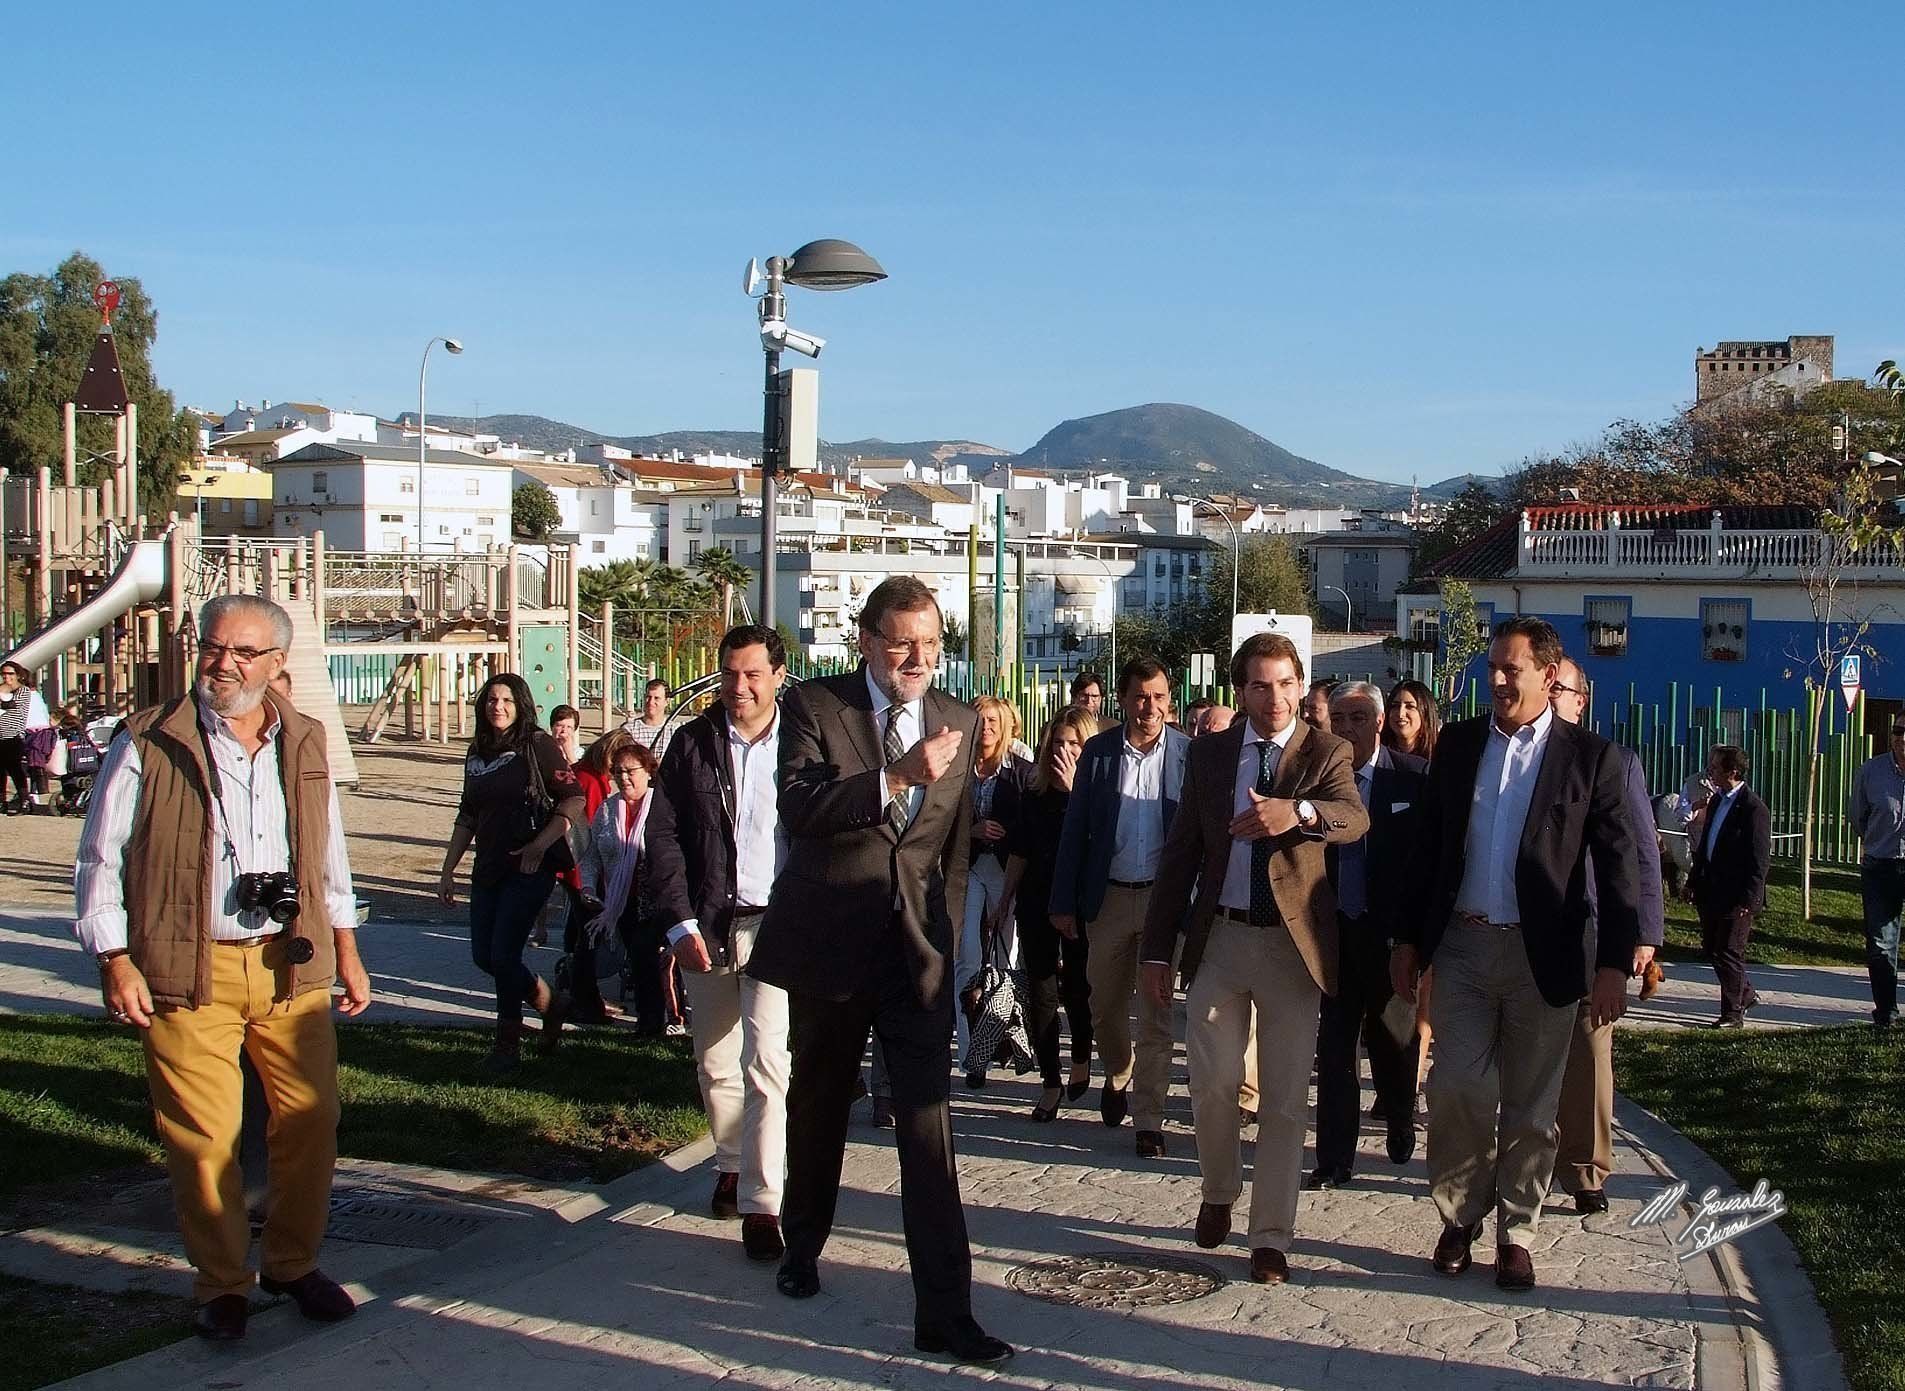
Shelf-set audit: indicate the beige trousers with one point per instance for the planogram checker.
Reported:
(1245, 967)
(198, 1101)
(742, 1063)
(1139, 1059)
(1500, 1052)
(1584, 1147)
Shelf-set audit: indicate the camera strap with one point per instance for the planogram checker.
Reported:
(218, 796)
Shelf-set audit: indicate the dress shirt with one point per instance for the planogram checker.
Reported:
(1504, 786)
(1139, 838)
(653, 737)
(912, 730)
(760, 846)
(1878, 808)
(1716, 814)
(1236, 891)
(247, 820)
(1352, 860)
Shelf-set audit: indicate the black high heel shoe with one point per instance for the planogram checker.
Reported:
(1043, 1113)
(1074, 1090)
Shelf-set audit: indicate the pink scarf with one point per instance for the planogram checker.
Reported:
(630, 830)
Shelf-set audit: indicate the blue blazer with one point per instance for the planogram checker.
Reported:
(1091, 819)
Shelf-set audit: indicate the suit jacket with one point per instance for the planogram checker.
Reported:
(1314, 767)
(1009, 794)
(690, 830)
(1578, 824)
(855, 898)
(1734, 875)
(1396, 794)
(1640, 808)
(1091, 818)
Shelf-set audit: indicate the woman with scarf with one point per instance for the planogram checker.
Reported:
(614, 877)
(519, 801)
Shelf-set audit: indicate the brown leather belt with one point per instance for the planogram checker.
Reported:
(1479, 921)
(1131, 883)
(748, 912)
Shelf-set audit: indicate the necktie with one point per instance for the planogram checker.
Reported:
(895, 750)
(1263, 903)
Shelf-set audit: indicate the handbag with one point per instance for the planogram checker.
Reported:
(536, 809)
(999, 1017)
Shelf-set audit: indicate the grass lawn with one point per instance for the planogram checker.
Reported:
(1835, 937)
(1820, 1115)
(52, 1332)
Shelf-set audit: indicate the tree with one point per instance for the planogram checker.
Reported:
(1472, 511)
(1854, 532)
(617, 583)
(533, 511)
(1463, 640)
(47, 328)
(953, 636)
(720, 569)
(1270, 579)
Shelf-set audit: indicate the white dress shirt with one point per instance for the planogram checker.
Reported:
(1139, 839)
(1717, 809)
(912, 730)
(1236, 891)
(247, 821)
(760, 846)
(1504, 787)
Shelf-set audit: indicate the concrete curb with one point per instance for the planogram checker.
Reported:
(1779, 1335)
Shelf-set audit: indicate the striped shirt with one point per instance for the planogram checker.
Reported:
(653, 737)
(248, 820)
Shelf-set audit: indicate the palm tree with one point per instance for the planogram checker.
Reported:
(719, 568)
(618, 582)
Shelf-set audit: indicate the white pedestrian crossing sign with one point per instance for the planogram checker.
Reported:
(1850, 678)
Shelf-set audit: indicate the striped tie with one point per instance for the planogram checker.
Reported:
(1263, 902)
(895, 750)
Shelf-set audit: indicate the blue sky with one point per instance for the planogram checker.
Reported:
(1399, 242)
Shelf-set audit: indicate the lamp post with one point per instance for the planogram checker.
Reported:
(1338, 589)
(1112, 580)
(827, 264)
(1236, 544)
(423, 434)
(197, 482)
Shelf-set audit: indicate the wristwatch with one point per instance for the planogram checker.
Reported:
(106, 956)
(1306, 815)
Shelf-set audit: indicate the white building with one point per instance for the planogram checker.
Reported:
(364, 497)
(606, 517)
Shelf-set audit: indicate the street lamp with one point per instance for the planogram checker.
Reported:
(1112, 579)
(197, 482)
(1338, 589)
(1236, 545)
(423, 434)
(827, 264)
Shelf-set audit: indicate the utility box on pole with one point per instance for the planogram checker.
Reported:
(800, 418)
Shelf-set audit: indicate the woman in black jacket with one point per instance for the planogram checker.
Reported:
(518, 853)
(1054, 965)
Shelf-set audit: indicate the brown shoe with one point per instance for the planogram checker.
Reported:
(1514, 1268)
(1213, 1224)
(761, 1237)
(316, 1294)
(1451, 1251)
(1150, 1144)
(1650, 978)
(1268, 1267)
(221, 1319)
(726, 1202)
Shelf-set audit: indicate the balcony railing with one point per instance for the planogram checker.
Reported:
(1693, 553)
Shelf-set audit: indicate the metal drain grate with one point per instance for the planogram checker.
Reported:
(380, 1220)
(1115, 1280)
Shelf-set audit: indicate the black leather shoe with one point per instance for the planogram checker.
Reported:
(1115, 1105)
(963, 1340)
(222, 1320)
(883, 1117)
(1330, 1176)
(1268, 1266)
(316, 1294)
(1728, 1021)
(1589, 1201)
(761, 1237)
(1402, 1141)
(1150, 1144)
(798, 1279)
(1213, 1224)
(1514, 1268)
(1452, 1249)
(726, 1202)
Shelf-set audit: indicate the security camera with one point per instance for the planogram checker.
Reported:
(777, 335)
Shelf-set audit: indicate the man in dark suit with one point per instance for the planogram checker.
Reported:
(1242, 882)
(875, 786)
(1364, 875)
(1521, 808)
(1727, 883)
(1124, 800)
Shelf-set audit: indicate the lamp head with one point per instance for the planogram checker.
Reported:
(454, 345)
(832, 264)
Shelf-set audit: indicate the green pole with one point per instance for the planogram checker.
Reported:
(998, 588)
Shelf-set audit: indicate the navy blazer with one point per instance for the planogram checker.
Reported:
(1733, 877)
(1396, 796)
(1091, 819)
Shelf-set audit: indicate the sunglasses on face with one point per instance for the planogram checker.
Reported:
(1897, 730)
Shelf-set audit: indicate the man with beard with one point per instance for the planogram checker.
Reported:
(213, 888)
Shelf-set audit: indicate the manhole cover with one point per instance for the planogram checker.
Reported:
(1115, 1280)
(384, 1221)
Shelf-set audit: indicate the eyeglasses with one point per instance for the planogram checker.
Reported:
(1560, 689)
(1898, 729)
(895, 647)
(629, 770)
(209, 651)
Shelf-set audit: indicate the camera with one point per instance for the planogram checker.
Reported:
(777, 335)
(274, 894)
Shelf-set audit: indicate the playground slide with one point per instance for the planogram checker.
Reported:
(139, 579)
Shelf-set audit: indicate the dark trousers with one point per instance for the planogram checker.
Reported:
(1361, 992)
(644, 941)
(501, 915)
(827, 1038)
(585, 992)
(1063, 981)
(1723, 937)
(1882, 886)
(13, 766)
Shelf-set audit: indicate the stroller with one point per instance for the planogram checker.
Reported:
(81, 760)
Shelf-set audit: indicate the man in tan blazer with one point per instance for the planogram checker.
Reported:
(1260, 801)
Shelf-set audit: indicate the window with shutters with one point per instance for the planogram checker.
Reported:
(1723, 624)
(1607, 622)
